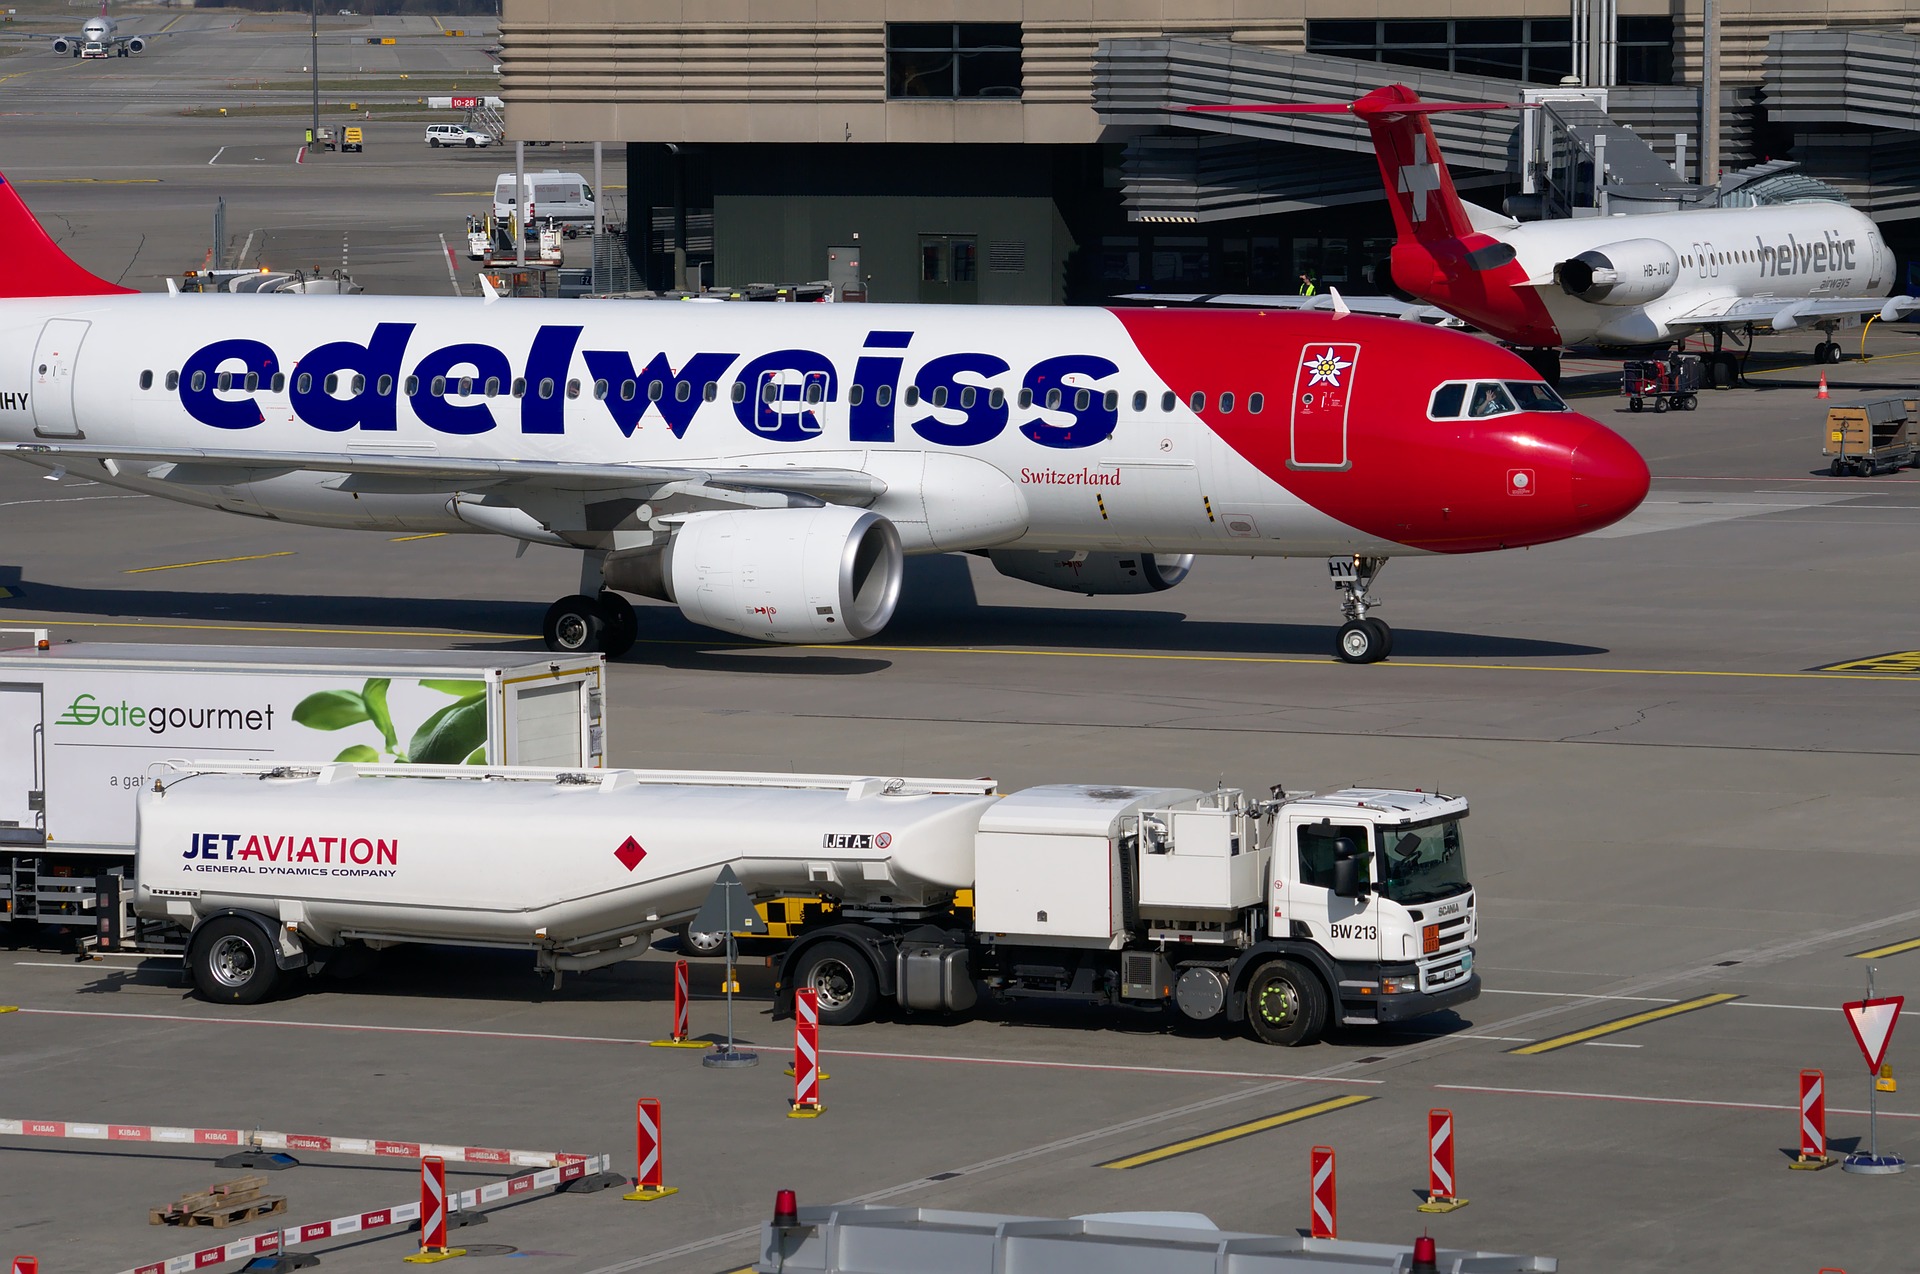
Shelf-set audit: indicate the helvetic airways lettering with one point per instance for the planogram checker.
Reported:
(951, 400)
(1794, 257)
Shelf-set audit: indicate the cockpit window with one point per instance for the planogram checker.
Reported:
(1447, 401)
(1490, 399)
(1533, 395)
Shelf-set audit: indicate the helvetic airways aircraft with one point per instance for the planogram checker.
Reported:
(1646, 279)
(765, 467)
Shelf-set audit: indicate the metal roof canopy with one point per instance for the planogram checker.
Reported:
(867, 1239)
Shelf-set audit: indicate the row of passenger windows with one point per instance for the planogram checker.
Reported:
(655, 390)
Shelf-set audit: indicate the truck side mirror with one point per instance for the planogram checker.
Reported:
(1346, 869)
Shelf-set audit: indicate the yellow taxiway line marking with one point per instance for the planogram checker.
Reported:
(1624, 1023)
(271, 628)
(212, 561)
(1235, 1132)
(430, 535)
(170, 25)
(1324, 660)
(1895, 949)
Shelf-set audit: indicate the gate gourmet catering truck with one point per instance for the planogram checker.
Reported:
(80, 724)
(1287, 914)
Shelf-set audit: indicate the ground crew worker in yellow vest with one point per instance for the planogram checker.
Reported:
(1307, 287)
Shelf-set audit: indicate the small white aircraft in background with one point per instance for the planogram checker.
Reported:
(99, 37)
(1622, 281)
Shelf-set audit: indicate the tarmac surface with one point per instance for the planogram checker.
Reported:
(1689, 742)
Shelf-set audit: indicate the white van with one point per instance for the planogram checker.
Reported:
(554, 194)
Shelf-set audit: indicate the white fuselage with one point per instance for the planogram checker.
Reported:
(1789, 252)
(953, 481)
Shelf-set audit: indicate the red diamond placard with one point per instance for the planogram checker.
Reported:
(630, 853)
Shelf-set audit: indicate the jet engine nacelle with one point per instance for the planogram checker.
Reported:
(136, 44)
(62, 44)
(1631, 272)
(1094, 574)
(786, 575)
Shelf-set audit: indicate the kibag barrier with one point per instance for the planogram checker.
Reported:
(246, 1139)
(806, 1055)
(1326, 1195)
(360, 1222)
(1813, 1154)
(1441, 1187)
(681, 1037)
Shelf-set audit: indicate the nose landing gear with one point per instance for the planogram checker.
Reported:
(1363, 639)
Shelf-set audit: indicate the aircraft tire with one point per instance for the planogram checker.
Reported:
(573, 626)
(1379, 626)
(1359, 643)
(620, 626)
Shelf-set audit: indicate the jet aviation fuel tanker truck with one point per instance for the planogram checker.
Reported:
(1287, 914)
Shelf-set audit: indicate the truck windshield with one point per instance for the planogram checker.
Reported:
(1424, 863)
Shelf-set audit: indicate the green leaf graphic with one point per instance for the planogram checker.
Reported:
(478, 756)
(458, 689)
(358, 752)
(331, 710)
(446, 737)
(375, 693)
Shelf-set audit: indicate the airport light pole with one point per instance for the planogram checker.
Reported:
(313, 65)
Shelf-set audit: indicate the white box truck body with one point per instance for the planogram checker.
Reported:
(80, 724)
(1289, 914)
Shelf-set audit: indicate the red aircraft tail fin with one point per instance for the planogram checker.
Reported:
(37, 266)
(1426, 208)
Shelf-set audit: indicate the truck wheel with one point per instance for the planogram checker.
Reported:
(702, 944)
(843, 980)
(233, 962)
(1285, 1004)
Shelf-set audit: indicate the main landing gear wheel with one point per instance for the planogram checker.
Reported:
(620, 627)
(573, 626)
(1827, 352)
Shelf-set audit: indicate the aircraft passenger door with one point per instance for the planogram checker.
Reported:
(1322, 390)
(53, 362)
(23, 769)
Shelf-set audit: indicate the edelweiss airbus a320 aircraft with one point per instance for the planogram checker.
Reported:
(765, 467)
(1646, 279)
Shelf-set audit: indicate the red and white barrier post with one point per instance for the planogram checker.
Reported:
(1326, 1195)
(1441, 1187)
(433, 1214)
(1813, 1123)
(650, 1182)
(26, 1265)
(682, 1031)
(806, 1055)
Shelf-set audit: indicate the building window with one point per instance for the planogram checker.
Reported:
(1644, 50)
(949, 60)
(1534, 50)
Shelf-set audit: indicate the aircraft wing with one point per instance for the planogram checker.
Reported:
(834, 486)
(1783, 314)
(1383, 306)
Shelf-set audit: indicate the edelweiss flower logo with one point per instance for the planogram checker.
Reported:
(1326, 368)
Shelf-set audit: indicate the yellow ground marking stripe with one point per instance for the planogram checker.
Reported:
(1327, 659)
(175, 22)
(430, 535)
(1624, 1023)
(1236, 1132)
(1912, 944)
(212, 561)
(61, 622)
(1893, 661)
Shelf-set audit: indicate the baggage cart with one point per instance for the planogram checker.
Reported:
(1867, 438)
(1670, 382)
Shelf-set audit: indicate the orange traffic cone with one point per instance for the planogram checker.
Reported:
(1823, 387)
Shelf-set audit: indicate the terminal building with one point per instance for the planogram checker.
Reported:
(1038, 151)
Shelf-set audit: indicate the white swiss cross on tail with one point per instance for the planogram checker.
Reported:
(1420, 180)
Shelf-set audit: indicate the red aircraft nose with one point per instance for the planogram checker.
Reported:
(1609, 479)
